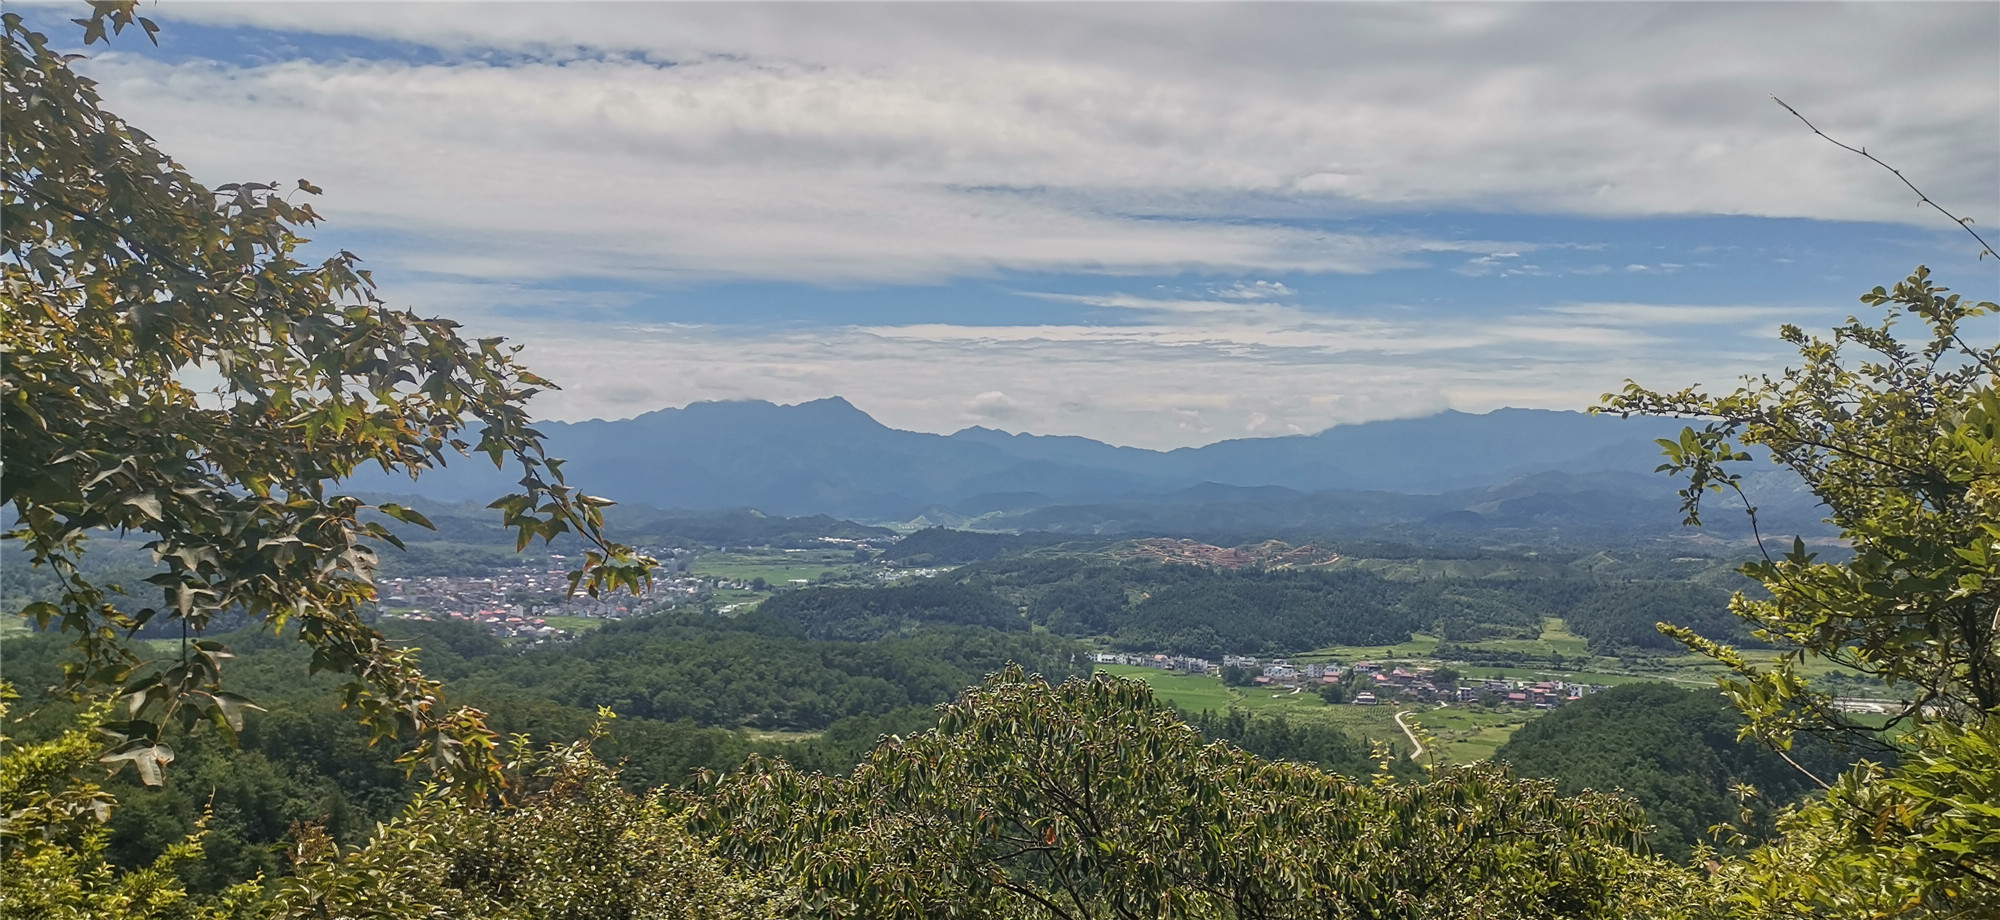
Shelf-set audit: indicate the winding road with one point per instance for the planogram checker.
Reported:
(1416, 747)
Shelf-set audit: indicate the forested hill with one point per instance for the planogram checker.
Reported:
(1147, 606)
(691, 692)
(1675, 750)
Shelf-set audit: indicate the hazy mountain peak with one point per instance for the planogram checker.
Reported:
(828, 456)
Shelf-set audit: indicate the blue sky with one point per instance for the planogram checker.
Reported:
(1151, 224)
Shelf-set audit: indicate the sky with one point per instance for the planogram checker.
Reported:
(1152, 224)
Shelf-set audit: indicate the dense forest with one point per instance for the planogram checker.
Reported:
(1679, 752)
(871, 613)
(681, 686)
(1208, 612)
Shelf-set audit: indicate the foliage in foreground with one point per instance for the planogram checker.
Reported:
(1091, 799)
(1902, 444)
(53, 838)
(1084, 800)
(1922, 840)
(575, 844)
(120, 275)
(1088, 799)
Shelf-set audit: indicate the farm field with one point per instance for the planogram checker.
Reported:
(734, 601)
(1420, 648)
(1189, 692)
(1463, 735)
(776, 567)
(1556, 640)
(1466, 734)
(1369, 723)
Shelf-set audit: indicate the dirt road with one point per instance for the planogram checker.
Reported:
(1416, 747)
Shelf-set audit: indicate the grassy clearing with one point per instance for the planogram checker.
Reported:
(1369, 723)
(1190, 692)
(1463, 734)
(1467, 734)
(1556, 639)
(776, 568)
(1420, 647)
(574, 624)
(777, 735)
(731, 600)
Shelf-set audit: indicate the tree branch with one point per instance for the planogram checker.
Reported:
(1985, 248)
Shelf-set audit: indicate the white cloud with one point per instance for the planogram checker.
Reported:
(1158, 391)
(992, 406)
(1480, 266)
(1253, 290)
(1647, 314)
(855, 144)
(1173, 376)
(852, 145)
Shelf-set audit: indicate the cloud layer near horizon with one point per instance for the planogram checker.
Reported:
(1193, 373)
(539, 168)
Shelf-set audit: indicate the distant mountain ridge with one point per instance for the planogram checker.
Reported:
(828, 457)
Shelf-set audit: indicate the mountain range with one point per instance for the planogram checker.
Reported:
(1511, 467)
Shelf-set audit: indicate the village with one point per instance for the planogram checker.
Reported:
(514, 602)
(1367, 683)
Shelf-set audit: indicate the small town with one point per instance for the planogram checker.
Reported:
(514, 602)
(1367, 683)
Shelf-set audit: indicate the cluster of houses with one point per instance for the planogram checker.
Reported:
(1373, 683)
(1164, 662)
(506, 600)
(890, 575)
(1270, 554)
(506, 623)
(1547, 694)
(1385, 683)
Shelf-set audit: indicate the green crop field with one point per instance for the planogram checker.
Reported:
(777, 568)
(1556, 640)
(1419, 648)
(1463, 734)
(574, 624)
(1189, 692)
(1200, 693)
(733, 601)
(1369, 723)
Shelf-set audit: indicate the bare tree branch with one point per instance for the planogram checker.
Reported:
(1985, 248)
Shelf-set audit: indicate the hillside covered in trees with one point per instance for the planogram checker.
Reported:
(1678, 752)
(1210, 611)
